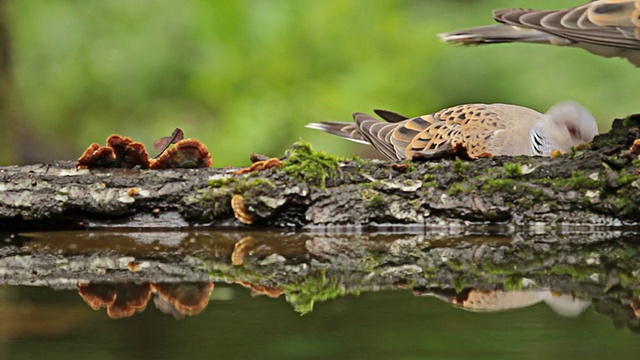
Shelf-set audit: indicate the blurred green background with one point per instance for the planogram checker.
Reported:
(245, 76)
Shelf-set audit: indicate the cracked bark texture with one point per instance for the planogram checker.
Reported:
(594, 187)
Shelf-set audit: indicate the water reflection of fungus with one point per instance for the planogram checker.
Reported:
(185, 298)
(240, 211)
(257, 289)
(240, 250)
(122, 300)
(188, 153)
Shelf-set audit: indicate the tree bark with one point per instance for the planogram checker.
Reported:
(597, 186)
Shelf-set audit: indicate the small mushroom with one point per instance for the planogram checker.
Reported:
(96, 156)
(261, 165)
(240, 210)
(188, 153)
(401, 168)
(635, 147)
(556, 154)
(120, 152)
(129, 153)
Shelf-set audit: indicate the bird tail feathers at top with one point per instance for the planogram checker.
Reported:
(347, 130)
(495, 34)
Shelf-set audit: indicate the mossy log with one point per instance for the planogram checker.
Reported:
(304, 268)
(597, 186)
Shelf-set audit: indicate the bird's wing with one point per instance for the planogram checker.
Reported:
(390, 116)
(467, 129)
(378, 134)
(604, 23)
(347, 130)
(609, 28)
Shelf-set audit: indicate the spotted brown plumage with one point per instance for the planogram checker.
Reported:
(609, 28)
(471, 130)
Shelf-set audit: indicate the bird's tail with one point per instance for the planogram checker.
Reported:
(495, 34)
(347, 130)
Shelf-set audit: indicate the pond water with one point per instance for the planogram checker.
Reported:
(135, 306)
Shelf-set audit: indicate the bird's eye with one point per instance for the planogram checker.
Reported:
(574, 131)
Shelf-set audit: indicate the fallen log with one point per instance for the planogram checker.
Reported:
(596, 187)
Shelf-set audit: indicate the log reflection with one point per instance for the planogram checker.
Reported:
(480, 271)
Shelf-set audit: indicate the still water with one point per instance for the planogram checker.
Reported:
(129, 302)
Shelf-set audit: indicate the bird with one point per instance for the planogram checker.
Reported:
(609, 28)
(471, 131)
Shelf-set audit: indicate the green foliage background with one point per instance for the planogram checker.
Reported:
(245, 76)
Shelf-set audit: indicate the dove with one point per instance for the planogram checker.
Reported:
(471, 130)
(609, 28)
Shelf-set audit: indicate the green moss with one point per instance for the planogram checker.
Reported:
(218, 195)
(499, 185)
(456, 189)
(512, 283)
(493, 214)
(429, 180)
(372, 198)
(314, 288)
(460, 167)
(627, 178)
(621, 206)
(513, 170)
(222, 181)
(416, 204)
(217, 203)
(238, 185)
(311, 166)
(630, 121)
(257, 182)
(459, 284)
(577, 181)
(411, 166)
(375, 184)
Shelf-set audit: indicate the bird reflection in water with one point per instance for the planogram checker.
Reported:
(478, 300)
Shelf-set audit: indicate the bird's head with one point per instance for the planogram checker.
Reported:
(570, 125)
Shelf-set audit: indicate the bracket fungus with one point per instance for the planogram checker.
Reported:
(123, 152)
